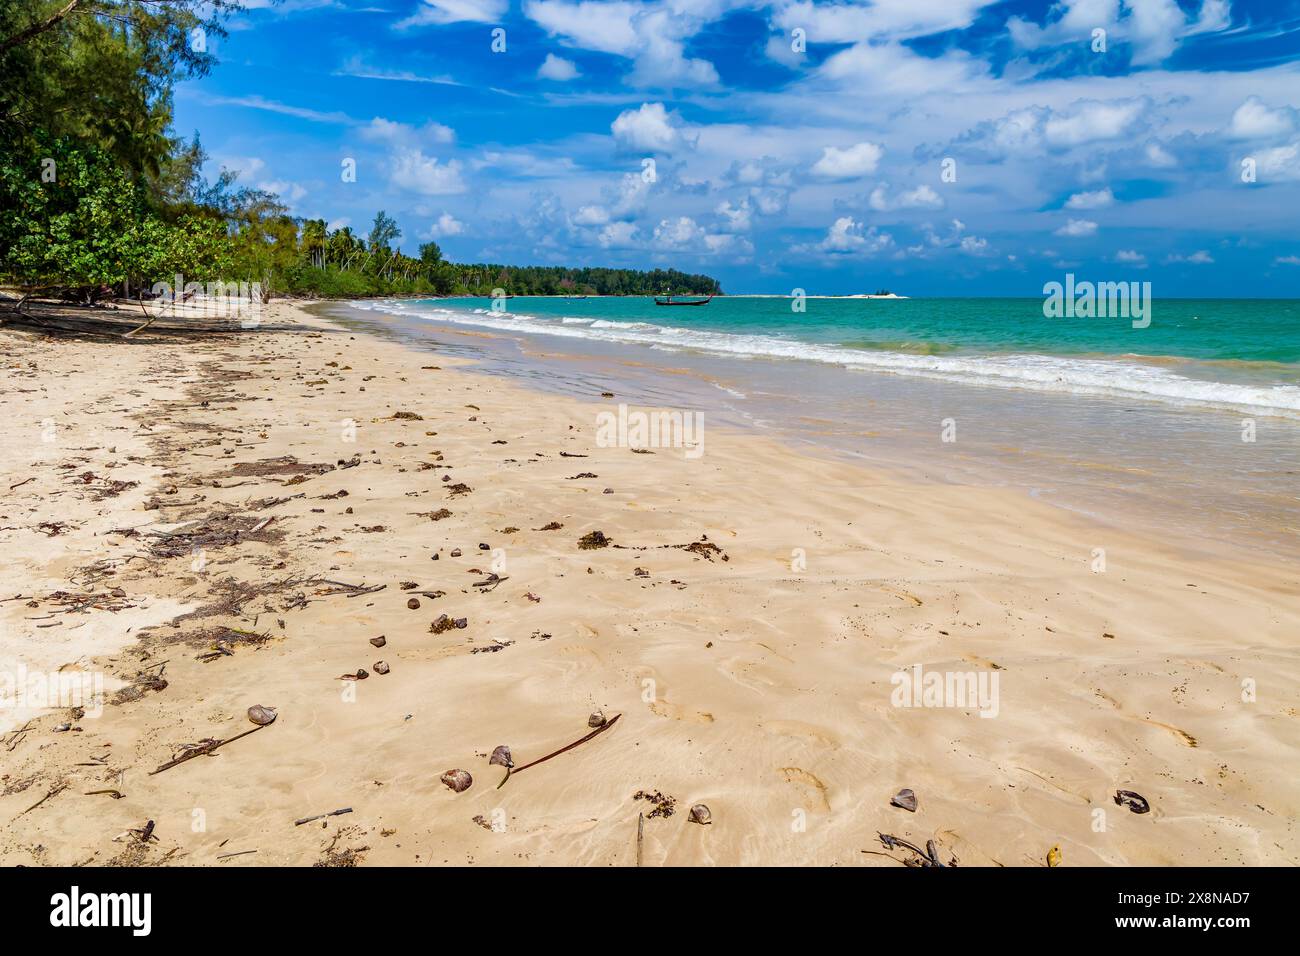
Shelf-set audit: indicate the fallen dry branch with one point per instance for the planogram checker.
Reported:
(203, 749)
(322, 816)
(53, 792)
(595, 733)
(929, 857)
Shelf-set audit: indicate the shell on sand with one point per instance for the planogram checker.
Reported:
(458, 780)
(261, 715)
(501, 757)
(700, 814)
(379, 641)
(381, 667)
(597, 719)
(906, 799)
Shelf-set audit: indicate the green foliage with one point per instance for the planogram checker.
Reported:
(73, 220)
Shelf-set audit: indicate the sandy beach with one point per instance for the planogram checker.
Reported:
(197, 525)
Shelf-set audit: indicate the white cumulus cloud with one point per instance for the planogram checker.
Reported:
(852, 162)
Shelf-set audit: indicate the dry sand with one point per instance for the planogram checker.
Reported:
(759, 685)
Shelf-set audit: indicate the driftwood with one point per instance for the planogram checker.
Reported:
(356, 590)
(322, 816)
(640, 835)
(53, 792)
(595, 733)
(929, 857)
(205, 748)
(226, 856)
(149, 320)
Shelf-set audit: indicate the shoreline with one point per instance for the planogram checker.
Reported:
(1038, 441)
(759, 685)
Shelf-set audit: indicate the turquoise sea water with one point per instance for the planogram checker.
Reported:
(1235, 354)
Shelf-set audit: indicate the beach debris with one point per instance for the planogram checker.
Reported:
(640, 835)
(413, 604)
(268, 467)
(501, 758)
(700, 814)
(597, 719)
(219, 649)
(142, 684)
(491, 648)
(1054, 856)
(445, 622)
(53, 791)
(481, 821)
(455, 553)
(322, 816)
(459, 488)
(457, 780)
(381, 667)
(484, 547)
(664, 805)
(379, 641)
(565, 749)
(433, 515)
(929, 857)
(407, 416)
(704, 548)
(583, 474)
(491, 581)
(361, 674)
(342, 858)
(906, 799)
(262, 715)
(532, 597)
(1134, 801)
(342, 587)
(205, 747)
(226, 856)
(592, 540)
(115, 794)
(550, 526)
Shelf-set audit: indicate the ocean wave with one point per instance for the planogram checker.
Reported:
(1114, 378)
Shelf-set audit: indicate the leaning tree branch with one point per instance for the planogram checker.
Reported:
(36, 29)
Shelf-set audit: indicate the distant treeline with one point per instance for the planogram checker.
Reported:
(557, 280)
(97, 194)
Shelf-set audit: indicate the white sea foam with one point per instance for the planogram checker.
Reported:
(1080, 376)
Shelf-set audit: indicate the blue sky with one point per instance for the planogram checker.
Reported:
(933, 147)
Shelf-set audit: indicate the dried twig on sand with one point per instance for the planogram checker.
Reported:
(205, 748)
(322, 816)
(929, 857)
(595, 733)
(53, 792)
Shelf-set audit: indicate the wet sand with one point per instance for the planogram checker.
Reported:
(746, 622)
